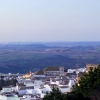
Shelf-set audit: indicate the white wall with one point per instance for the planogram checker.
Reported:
(3, 97)
(39, 75)
(71, 83)
(26, 97)
(63, 90)
(22, 92)
(30, 91)
(29, 84)
(6, 89)
(9, 98)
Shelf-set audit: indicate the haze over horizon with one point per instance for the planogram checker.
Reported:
(49, 20)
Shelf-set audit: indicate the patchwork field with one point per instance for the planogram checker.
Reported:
(25, 57)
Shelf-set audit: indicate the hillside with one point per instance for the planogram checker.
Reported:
(34, 56)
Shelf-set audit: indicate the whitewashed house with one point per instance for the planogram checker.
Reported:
(72, 82)
(50, 71)
(71, 70)
(31, 97)
(64, 89)
(6, 89)
(28, 84)
(25, 90)
(8, 96)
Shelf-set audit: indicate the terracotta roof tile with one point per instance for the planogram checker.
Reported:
(40, 72)
(52, 68)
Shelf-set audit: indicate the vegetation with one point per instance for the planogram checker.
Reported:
(7, 82)
(89, 84)
(88, 88)
(26, 57)
(55, 94)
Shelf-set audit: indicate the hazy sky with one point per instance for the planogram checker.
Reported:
(49, 20)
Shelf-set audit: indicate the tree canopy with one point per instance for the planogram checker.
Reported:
(55, 94)
(89, 84)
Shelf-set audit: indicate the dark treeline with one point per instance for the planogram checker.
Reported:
(7, 82)
(33, 57)
(57, 95)
(26, 65)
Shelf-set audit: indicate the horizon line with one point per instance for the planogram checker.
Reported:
(49, 41)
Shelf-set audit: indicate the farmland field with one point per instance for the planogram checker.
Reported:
(35, 56)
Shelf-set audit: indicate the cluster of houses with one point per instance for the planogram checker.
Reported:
(34, 86)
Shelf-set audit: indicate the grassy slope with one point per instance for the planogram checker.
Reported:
(29, 57)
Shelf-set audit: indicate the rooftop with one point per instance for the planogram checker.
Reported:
(40, 72)
(52, 68)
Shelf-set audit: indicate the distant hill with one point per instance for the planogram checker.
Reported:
(23, 57)
(22, 46)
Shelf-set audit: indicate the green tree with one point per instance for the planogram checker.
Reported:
(55, 94)
(7, 82)
(1, 81)
(89, 84)
(13, 82)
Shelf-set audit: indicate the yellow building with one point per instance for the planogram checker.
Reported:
(88, 66)
(28, 75)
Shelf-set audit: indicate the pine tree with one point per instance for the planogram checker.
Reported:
(89, 84)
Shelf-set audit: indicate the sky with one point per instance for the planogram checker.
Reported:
(49, 20)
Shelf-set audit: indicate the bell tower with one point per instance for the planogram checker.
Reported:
(61, 71)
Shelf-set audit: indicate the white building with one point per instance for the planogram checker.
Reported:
(50, 71)
(8, 96)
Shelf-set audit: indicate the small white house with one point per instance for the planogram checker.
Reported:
(28, 84)
(64, 89)
(25, 90)
(8, 96)
(6, 89)
(29, 97)
(71, 70)
(71, 82)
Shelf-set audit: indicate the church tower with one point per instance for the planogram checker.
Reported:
(61, 71)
